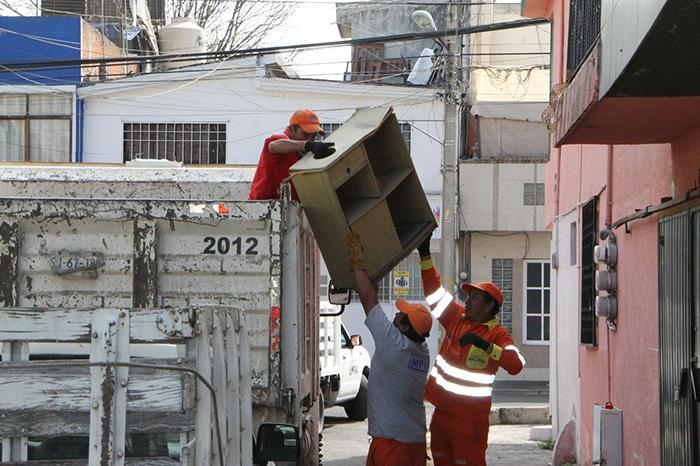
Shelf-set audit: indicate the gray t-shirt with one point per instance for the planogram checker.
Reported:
(399, 371)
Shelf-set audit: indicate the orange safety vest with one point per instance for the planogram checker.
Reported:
(462, 379)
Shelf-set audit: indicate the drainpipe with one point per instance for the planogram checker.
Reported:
(608, 222)
(79, 125)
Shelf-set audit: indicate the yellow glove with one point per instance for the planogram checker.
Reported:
(357, 261)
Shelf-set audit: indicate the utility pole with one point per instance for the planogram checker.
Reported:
(453, 96)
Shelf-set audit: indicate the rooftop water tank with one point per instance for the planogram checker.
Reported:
(181, 35)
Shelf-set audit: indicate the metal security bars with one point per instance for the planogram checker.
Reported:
(584, 28)
(189, 143)
(589, 221)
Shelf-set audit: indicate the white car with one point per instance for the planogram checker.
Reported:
(345, 366)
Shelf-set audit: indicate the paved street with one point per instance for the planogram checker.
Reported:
(345, 443)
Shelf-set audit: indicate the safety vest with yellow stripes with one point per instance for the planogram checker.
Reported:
(463, 376)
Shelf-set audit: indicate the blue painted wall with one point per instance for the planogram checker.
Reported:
(40, 39)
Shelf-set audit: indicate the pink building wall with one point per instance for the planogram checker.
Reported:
(624, 366)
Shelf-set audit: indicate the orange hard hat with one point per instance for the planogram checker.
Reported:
(418, 316)
(487, 287)
(308, 121)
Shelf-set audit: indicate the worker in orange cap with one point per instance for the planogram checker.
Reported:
(460, 383)
(281, 151)
(399, 369)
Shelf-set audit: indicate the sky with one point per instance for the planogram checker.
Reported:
(314, 22)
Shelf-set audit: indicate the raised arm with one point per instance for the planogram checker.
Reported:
(364, 287)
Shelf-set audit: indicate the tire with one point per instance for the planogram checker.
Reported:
(357, 409)
(321, 411)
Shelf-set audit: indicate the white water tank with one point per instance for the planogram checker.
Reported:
(181, 35)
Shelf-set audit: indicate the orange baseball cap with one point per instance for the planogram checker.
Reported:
(418, 315)
(308, 121)
(487, 287)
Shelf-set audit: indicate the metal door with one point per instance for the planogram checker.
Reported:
(676, 340)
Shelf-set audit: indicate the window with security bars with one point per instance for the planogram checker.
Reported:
(404, 281)
(533, 194)
(189, 143)
(584, 29)
(589, 233)
(536, 305)
(502, 276)
(328, 128)
(36, 127)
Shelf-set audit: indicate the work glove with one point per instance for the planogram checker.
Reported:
(474, 339)
(424, 247)
(357, 261)
(320, 149)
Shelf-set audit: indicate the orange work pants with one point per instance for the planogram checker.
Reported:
(458, 441)
(388, 452)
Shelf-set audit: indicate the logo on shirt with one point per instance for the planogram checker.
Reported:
(418, 363)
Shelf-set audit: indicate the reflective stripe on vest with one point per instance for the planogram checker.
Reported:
(436, 296)
(517, 351)
(442, 305)
(476, 392)
(462, 374)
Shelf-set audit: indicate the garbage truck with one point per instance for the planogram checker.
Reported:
(155, 316)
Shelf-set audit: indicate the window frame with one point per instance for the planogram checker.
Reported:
(541, 288)
(504, 290)
(28, 117)
(406, 131)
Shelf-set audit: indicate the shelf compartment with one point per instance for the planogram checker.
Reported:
(378, 237)
(387, 150)
(410, 212)
(389, 180)
(358, 194)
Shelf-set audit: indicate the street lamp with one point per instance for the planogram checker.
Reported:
(424, 20)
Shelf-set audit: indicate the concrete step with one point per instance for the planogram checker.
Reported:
(519, 415)
(541, 433)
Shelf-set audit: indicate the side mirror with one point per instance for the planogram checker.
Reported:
(356, 340)
(276, 442)
(338, 297)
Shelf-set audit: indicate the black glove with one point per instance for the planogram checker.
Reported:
(424, 247)
(474, 339)
(320, 149)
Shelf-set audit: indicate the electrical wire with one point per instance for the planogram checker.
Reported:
(267, 50)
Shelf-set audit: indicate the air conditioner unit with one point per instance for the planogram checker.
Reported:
(607, 436)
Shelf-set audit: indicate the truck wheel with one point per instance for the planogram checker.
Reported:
(357, 410)
(321, 411)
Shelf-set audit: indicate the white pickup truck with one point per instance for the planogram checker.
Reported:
(345, 366)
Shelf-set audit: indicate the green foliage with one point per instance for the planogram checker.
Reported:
(546, 445)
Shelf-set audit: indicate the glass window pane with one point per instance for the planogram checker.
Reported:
(534, 328)
(50, 104)
(534, 302)
(546, 301)
(546, 273)
(12, 140)
(546, 329)
(13, 104)
(534, 274)
(49, 141)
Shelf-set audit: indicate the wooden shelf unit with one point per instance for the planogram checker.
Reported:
(370, 186)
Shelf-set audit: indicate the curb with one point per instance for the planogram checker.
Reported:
(520, 415)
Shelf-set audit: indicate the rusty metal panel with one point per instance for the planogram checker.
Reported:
(9, 258)
(145, 274)
(675, 341)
